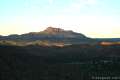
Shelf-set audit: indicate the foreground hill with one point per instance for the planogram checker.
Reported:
(76, 62)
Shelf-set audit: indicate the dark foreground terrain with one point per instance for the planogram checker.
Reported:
(76, 62)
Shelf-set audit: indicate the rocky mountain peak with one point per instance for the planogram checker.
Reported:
(53, 30)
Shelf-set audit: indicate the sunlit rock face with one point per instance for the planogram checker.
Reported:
(109, 43)
(53, 30)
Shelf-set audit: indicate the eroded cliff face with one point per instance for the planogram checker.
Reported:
(51, 30)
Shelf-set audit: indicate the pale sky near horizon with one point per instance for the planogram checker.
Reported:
(94, 18)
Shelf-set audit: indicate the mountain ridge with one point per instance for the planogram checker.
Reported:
(49, 36)
(49, 32)
(52, 36)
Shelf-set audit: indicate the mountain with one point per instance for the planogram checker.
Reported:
(59, 33)
(49, 36)
(52, 34)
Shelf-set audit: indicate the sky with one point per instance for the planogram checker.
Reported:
(94, 18)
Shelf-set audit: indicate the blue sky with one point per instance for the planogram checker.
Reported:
(95, 18)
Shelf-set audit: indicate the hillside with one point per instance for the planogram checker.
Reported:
(57, 54)
(76, 62)
(50, 36)
(53, 37)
